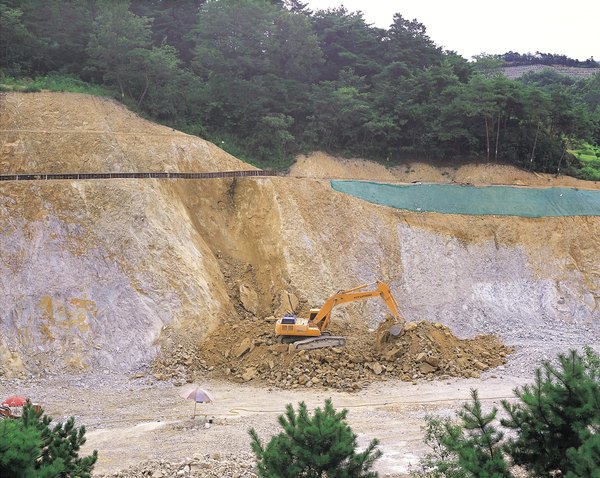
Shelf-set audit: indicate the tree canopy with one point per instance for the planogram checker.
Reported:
(274, 78)
(317, 446)
(550, 428)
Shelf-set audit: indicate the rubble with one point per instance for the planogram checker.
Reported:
(207, 466)
(424, 351)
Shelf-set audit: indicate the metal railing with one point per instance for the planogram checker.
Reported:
(87, 176)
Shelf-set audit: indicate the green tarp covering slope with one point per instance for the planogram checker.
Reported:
(488, 200)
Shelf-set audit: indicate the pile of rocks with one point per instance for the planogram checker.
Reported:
(424, 351)
(208, 466)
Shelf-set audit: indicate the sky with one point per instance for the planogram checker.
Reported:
(472, 27)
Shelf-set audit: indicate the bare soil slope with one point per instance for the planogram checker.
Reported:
(101, 275)
(324, 166)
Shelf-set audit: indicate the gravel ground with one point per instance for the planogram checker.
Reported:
(141, 427)
(144, 424)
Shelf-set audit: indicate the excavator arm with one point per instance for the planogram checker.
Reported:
(323, 317)
(311, 333)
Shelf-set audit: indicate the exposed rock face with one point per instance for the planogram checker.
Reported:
(102, 274)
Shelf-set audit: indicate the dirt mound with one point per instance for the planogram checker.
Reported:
(76, 133)
(247, 351)
(324, 166)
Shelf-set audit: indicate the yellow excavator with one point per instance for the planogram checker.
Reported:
(312, 333)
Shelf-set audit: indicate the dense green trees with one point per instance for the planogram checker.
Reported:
(553, 429)
(255, 62)
(539, 58)
(31, 448)
(272, 78)
(317, 446)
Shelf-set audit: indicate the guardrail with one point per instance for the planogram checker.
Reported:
(86, 176)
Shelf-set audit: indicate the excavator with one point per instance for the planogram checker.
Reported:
(312, 333)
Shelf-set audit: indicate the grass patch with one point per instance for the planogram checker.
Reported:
(62, 83)
(233, 146)
(589, 157)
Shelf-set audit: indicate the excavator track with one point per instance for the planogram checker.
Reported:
(325, 341)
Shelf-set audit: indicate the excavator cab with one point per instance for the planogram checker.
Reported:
(313, 314)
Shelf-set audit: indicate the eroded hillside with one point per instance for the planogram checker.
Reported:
(100, 275)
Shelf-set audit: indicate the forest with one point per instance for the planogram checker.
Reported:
(266, 80)
(513, 59)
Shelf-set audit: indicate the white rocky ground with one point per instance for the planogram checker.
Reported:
(145, 427)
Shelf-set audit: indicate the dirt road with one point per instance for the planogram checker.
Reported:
(130, 421)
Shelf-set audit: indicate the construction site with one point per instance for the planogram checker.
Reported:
(117, 292)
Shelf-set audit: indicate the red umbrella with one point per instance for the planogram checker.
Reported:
(12, 407)
(15, 401)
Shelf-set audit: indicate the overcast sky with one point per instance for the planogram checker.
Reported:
(471, 27)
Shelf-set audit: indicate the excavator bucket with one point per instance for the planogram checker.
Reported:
(395, 330)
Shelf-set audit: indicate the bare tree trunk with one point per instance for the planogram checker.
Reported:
(121, 87)
(497, 138)
(487, 137)
(145, 89)
(560, 162)
(534, 142)
(92, 8)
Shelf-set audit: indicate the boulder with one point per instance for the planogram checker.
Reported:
(425, 368)
(480, 365)
(377, 368)
(392, 354)
(244, 347)
(249, 374)
(433, 361)
(287, 303)
(249, 298)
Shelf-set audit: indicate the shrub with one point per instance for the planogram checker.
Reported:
(554, 424)
(440, 462)
(314, 447)
(30, 448)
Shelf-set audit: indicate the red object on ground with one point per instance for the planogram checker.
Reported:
(15, 401)
(12, 407)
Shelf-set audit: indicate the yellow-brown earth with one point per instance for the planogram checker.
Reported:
(104, 275)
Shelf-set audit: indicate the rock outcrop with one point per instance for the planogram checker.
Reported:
(104, 275)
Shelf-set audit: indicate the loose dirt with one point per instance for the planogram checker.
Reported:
(97, 279)
(246, 351)
(323, 166)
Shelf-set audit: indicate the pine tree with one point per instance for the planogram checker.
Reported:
(31, 448)
(585, 461)
(557, 419)
(440, 461)
(19, 448)
(314, 447)
(476, 442)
